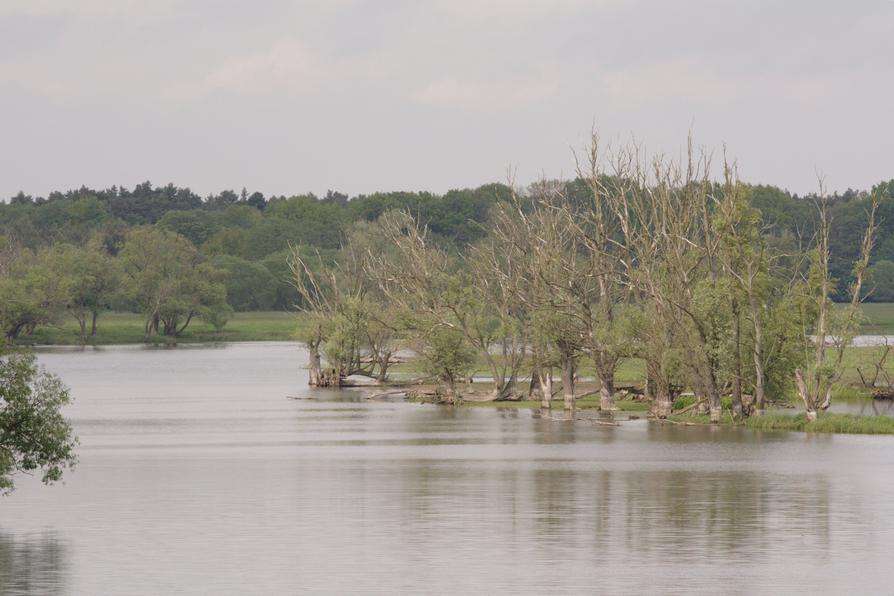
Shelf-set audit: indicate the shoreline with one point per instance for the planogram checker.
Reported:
(778, 418)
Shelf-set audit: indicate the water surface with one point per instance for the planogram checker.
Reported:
(199, 476)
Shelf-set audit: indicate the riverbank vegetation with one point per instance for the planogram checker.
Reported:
(824, 423)
(637, 257)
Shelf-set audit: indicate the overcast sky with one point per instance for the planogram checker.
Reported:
(290, 96)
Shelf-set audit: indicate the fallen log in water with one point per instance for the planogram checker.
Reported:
(382, 394)
(600, 422)
(690, 407)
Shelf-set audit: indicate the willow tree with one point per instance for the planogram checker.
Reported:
(340, 323)
(474, 295)
(837, 327)
(91, 278)
(31, 292)
(165, 279)
(764, 291)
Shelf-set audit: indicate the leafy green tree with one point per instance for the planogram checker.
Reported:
(90, 279)
(166, 281)
(448, 356)
(34, 435)
(31, 294)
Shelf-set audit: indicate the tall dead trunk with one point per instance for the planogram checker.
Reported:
(806, 396)
(545, 381)
(758, 357)
(568, 396)
(737, 378)
(714, 399)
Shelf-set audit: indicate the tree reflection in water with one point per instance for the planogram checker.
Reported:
(32, 565)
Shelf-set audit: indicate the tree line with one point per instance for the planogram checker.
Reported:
(662, 260)
(66, 254)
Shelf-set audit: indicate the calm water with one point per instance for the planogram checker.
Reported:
(198, 476)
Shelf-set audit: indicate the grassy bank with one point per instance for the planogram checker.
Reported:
(126, 328)
(825, 423)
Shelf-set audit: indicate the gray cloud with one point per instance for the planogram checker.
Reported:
(288, 96)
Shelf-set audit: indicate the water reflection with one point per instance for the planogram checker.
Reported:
(214, 482)
(32, 565)
(866, 407)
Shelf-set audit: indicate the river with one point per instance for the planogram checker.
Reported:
(198, 476)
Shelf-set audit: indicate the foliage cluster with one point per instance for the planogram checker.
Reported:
(34, 434)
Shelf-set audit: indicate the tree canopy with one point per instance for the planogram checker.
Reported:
(34, 434)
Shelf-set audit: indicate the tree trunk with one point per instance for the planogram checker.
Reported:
(452, 396)
(384, 361)
(315, 369)
(568, 382)
(605, 374)
(806, 397)
(82, 323)
(185, 325)
(504, 390)
(546, 387)
(737, 379)
(702, 408)
(663, 403)
(657, 388)
(757, 354)
(95, 315)
(607, 394)
(714, 399)
(151, 325)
